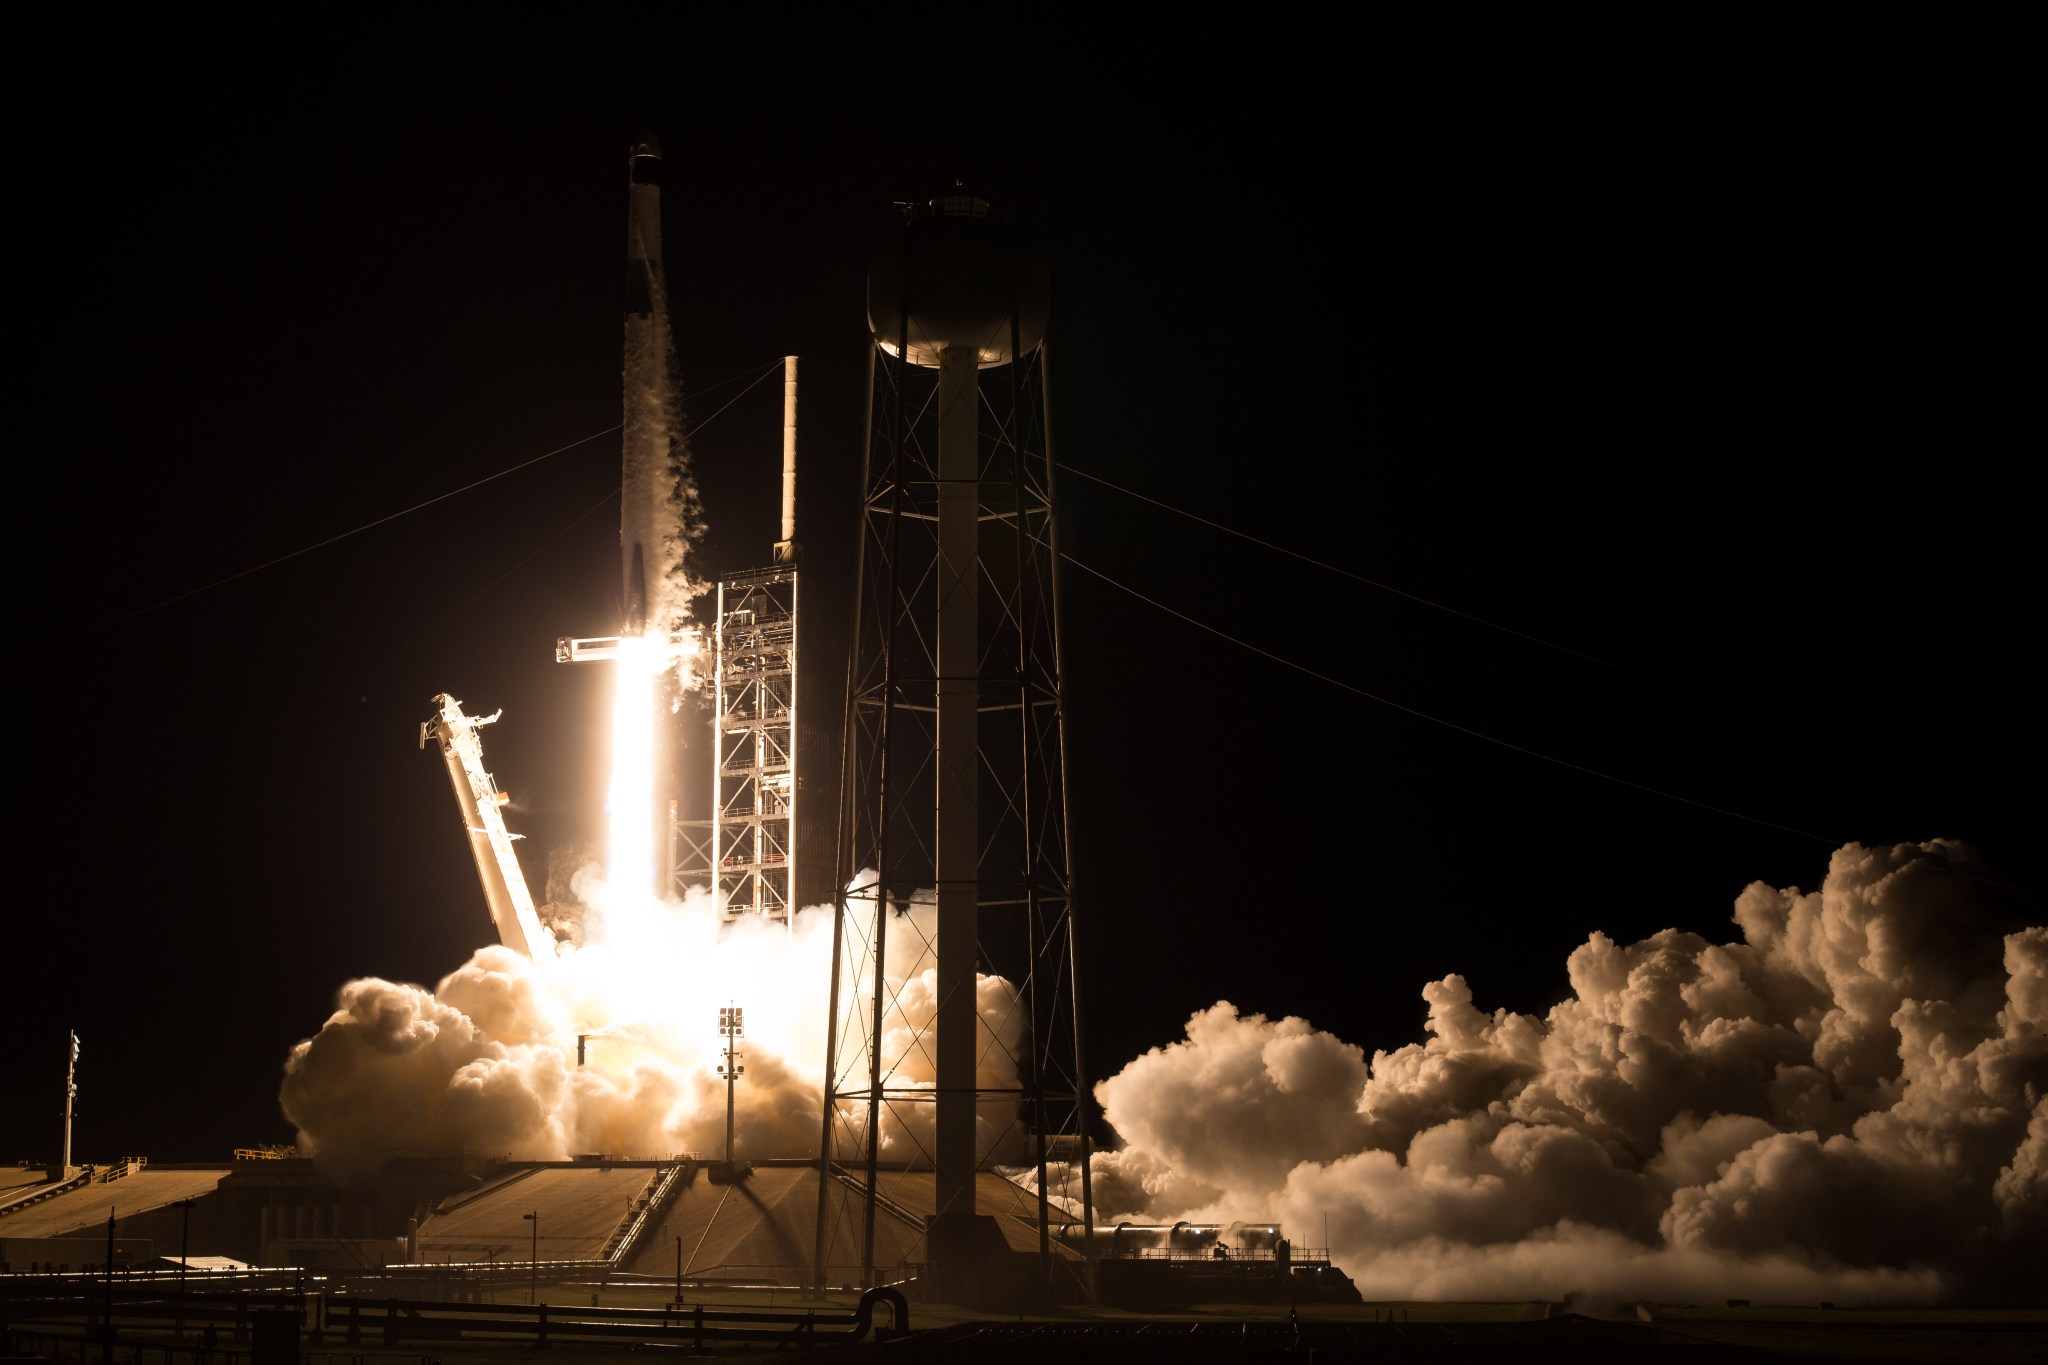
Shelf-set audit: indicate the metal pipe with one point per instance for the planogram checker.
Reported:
(783, 550)
(70, 1102)
(842, 854)
(957, 841)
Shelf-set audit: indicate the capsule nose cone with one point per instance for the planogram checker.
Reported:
(646, 145)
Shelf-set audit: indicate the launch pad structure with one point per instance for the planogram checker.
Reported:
(478, 800)
(952, 859)
(748, 848)
(954, 1036)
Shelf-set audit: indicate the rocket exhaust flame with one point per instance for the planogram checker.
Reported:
(489, 1058)
(629, 801)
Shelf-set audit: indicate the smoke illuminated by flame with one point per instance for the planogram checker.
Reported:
(1849, 1101)
(607, 1041)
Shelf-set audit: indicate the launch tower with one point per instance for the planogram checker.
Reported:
(748, 847)
(952, 853)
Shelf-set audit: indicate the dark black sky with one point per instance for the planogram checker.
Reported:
(1702, 363)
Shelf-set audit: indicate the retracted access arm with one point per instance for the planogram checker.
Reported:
(489, 841)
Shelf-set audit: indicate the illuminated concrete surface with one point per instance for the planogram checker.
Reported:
(16, 1180)
(83, 1209)
(580, 1208)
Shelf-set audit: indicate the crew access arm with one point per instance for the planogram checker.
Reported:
(489, 841)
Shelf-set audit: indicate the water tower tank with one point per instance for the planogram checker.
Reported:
(957, 276)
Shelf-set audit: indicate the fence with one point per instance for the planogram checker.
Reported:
(33, 1317)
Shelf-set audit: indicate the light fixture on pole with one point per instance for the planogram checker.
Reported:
(729, 1028)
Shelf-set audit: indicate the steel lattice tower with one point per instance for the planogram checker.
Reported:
(753, 784)
(955, 1042)
(747, 850)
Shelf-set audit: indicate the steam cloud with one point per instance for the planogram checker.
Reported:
(487, 1059)
(1846, 1104)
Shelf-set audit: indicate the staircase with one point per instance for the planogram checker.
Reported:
(655, 1196)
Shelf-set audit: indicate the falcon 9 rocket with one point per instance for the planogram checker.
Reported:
(649, 539)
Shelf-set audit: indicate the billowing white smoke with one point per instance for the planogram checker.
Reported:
(1846, 1104)
(487, 1059)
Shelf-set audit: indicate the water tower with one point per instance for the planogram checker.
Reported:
(953, 847)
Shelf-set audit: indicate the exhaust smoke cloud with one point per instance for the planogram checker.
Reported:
(487, 1060)
(1849, 1101)
(1845, 1103)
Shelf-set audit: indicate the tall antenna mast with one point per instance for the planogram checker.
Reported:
(954, 787)
(785, 548)
(70, 1102)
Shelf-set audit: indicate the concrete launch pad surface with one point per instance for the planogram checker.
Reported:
(85, 1209)
(763, 1227)
(750, 1229)
(1015, 1210)
(16, 1180)
(580, 1208)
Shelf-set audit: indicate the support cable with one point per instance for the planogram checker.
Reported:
(317, 545)
(402, 512)
(1436, 606)
(1448, 724)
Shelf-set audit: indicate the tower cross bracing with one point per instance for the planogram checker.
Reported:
(754, 776)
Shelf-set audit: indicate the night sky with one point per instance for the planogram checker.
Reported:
(1699, 367)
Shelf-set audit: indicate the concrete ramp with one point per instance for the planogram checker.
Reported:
(83, 1210)
(16, 1180)
(764, 1227)
(760, 1228)
(580, 1207)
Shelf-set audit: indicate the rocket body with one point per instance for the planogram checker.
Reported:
(649, 541)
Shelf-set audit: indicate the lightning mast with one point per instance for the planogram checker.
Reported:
(70, 1105)
(954, 770)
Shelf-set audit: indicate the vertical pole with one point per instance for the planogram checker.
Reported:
(759, 784)
(884, 775)
(842, 852)
(70, 1101)
(784, 550)
(679, 1272)
(1073, 947)
(874, 1133)
(718, 704)
(184, 1255)
(957, 841)
(107, 1310)
(1030, 805)
(675, 881)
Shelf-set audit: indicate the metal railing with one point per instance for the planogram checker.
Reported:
(93, 1317)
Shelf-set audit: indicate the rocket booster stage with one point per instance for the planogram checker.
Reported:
(646, 477)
